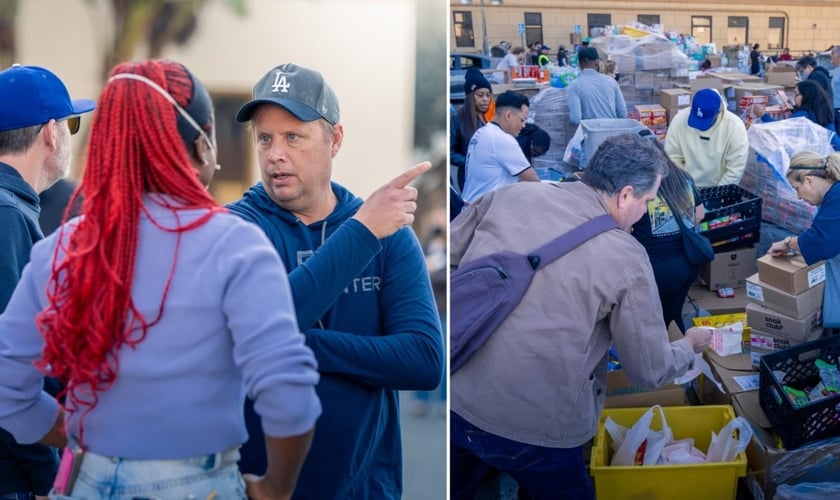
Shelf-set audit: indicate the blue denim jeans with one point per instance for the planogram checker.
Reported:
(199, 477)
(542, 473)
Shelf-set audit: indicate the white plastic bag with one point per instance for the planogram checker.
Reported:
(726, 340)
(639, 445)
(682, 452)
(732, 439)
(574, 149)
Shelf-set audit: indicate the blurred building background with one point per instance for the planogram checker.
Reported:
(366, 49)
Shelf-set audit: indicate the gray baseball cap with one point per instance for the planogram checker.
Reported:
(301, 91)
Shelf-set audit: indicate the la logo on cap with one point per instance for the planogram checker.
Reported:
(699, 113)
(280, 83)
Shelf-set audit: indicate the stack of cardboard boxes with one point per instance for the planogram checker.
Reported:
(652, 116)
(785, 304)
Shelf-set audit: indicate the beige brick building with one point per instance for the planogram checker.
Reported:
(802, 25)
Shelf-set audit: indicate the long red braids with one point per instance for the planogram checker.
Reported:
(135, 148)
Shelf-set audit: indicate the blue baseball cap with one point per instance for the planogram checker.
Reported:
(705, 106)
(33, 95)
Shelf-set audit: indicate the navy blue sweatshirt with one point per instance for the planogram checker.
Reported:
(31, 467)
(367, 310)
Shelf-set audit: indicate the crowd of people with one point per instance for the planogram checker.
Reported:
(532, 424)
(158, 312)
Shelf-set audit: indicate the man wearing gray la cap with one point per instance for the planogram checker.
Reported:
(37, 119)
(361, 290)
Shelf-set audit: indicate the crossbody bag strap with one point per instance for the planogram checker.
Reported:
(570, 240)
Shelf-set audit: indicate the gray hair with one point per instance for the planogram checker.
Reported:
(19, 140)
(625, 160)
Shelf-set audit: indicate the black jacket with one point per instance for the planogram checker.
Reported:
(820, 75)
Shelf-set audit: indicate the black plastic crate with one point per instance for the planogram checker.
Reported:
(731, 200)
(815, 420)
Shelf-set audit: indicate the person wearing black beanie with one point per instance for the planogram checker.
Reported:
(467, 119)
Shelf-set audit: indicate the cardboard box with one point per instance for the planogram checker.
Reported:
(773, 341)
(797, 306)
(624, 393)
(734, 78)
(756, 354)
(729, 269)
(734, 362)
(790, 274)
(705, 82)
(768, 320)
(815, 462)
(652, 116)
(780, 74)
(709, 300)
(754, 89)
(674, 100)
(733, 381)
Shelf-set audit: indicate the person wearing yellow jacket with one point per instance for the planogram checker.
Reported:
(708, 141)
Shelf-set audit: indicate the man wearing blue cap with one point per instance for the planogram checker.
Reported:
(36, 122)
(361, 289)
(708, 141)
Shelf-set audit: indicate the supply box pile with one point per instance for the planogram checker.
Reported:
(785, 304)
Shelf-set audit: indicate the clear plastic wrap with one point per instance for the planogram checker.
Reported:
(778, 141)
(815, 462)
(549, 110)
(651, 52)
(808, 491)
(772, 145)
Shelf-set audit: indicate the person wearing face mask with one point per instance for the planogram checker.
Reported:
(807, 68)
(158, 311)
(467, 119)
(811, 102)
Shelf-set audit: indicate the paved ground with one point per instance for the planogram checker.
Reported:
(424, 452)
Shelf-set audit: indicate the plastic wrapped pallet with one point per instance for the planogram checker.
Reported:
(774, 144)
(781, 205)
(652, 52)
(549, 110)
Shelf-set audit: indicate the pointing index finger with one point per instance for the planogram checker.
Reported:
(409, 175)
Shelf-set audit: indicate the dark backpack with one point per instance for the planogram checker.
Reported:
(485, 290)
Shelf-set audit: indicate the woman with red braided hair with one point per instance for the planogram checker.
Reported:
(159, 311)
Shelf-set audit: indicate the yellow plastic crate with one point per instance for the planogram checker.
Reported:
(684, 482)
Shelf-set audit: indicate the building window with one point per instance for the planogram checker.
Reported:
(648, 19)
(463, 26)
(776, 33)
(596, 22)
(701, 28)
(235, 149)
(533, 28)
(737, 30)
